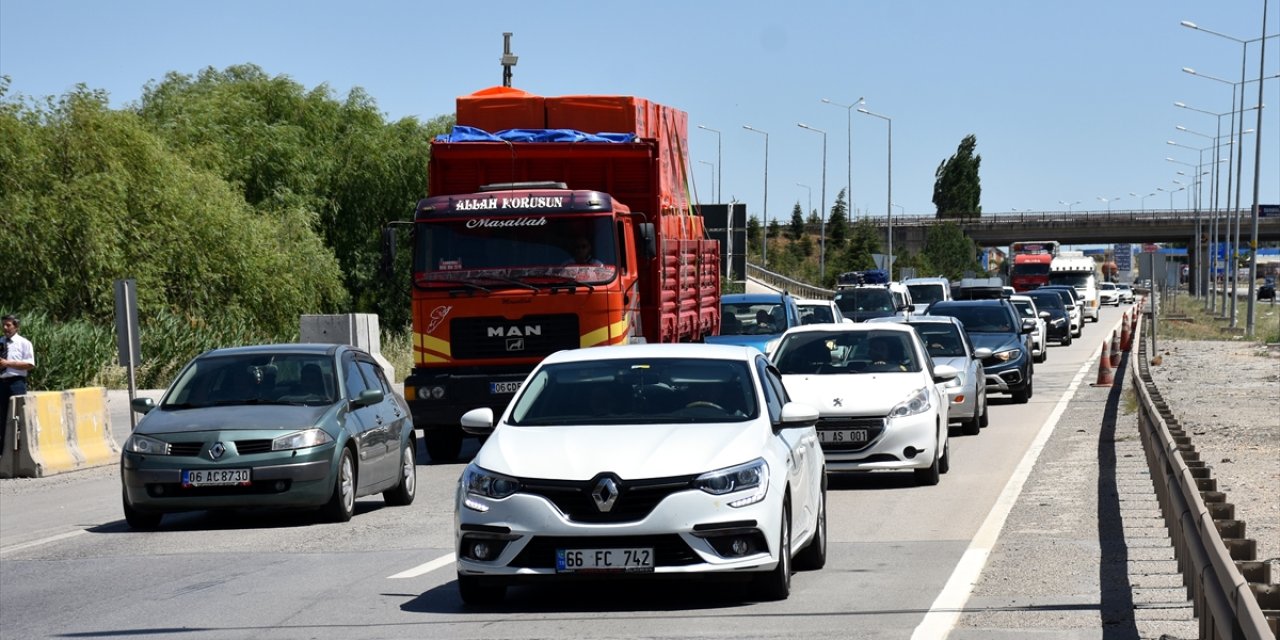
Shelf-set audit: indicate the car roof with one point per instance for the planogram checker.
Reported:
(1021, 297)
(985, 302)
(744, 353)
(281, 348)
(813, 301)
(849, 327)
(755, 297)
(931, 280)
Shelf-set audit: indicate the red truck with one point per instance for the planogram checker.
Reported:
(1030, 264)
(542, 239)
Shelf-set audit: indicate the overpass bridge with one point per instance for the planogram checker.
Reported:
(1085, 227)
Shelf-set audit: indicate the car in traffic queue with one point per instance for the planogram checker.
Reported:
(882, 401)
(819, 311)
(947, 343)
(926, 291)
(1108, 293)
(1074, 304)
(1027, 309)
(633, 461)
(864, 302)
(1058, 324)
(1126, 292)
(755, 319)
(996, 325)
(282, 425)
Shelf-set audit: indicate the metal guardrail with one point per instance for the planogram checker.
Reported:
(782, 283)
(1151, 216)
(1226, 604)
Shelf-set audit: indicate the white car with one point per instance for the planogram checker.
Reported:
(1126, 292)
(635, 460)
(882, 401)
(818, 311)
(1109, 293)
(1040, 337)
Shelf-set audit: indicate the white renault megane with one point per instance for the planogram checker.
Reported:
(643, 460)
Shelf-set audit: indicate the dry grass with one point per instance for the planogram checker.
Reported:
(1184, 318)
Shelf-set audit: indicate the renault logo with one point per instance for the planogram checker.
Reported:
(605, 493)
(217, 450)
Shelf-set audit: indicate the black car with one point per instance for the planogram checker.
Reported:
(1059, 321)
(1267, 292)
(996, 325)
(1070, 298)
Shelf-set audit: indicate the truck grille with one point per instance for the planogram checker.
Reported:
(497, 337)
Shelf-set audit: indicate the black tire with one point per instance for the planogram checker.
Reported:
(985, 419)
(1066, 342)
(814, 554)
(944, 461)
(928, 476)
(443, 446)
(1044, 353)
(477, 591)
(342, 504)
(1023, 395)
(971, 427)
(776, 584)
(402, 494)
(140, 520)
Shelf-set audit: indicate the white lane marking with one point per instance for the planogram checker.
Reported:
(945, 610)
(36, 543)
(426, 567)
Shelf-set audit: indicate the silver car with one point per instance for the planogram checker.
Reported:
(945, 339)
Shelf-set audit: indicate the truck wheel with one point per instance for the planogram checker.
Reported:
(443, 446)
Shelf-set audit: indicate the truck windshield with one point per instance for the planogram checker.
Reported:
(1030, 269)
(1070, 278)
(523, 251)
(868, 299)
(926, 293)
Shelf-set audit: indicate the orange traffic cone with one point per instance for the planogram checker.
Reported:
(1115, 350)
(1126, 334)
(1106, 374)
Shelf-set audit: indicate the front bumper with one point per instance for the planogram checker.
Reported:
(690, 532)
(887, 445)
(1007, 377)
(301, 479)
(460, 393)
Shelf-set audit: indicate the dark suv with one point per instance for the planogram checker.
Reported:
(996, 325)
(1059, 320)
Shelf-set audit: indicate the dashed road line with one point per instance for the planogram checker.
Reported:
(426, 567)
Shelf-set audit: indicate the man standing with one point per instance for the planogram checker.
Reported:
(17, 359)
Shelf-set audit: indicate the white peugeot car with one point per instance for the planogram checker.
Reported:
(641, 460)
(883, 402)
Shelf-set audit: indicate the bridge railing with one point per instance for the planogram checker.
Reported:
(783, 283)
(1149, 216)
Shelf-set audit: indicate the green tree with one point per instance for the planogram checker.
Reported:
(795, 230)
(838, 222)
(949, 252)
(754, 239)
(957, 189)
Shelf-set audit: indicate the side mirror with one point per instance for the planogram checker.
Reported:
(388, 251)
(945, 372)
(648, 240)
(368, 397)
(1028, 326)
(478, 422)
(795, 414)
(982, 353)
(142, 405)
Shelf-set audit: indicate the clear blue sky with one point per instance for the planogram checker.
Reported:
(1070, 101)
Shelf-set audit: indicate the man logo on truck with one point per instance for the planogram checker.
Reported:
(515, 332)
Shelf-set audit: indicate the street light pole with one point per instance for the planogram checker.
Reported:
(848, 116)
(713, 177)
(822, 238)
(888, 201)
(719, 163)
(1069, 204)
(1105, 201)
(764, 250)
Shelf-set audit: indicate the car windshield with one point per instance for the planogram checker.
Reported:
(940, 340)
(865, 299)
(1047, 300)
(926, 293)
(836, 352)
(979, 319)
(637, 391)
(258, 378)
(816, 314)
(1107, 286)
(752, 318)
(1026, 308)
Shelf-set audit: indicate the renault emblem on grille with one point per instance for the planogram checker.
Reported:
(515, 344)
(605, 493)
(217, 450)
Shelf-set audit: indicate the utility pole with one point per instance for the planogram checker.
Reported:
(508, 59)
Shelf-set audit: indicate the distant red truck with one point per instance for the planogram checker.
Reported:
(1030, 264)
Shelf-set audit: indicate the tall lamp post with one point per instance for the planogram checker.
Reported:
(764, 250)
(888, 203)
(719, 163)
(1069, 204)
(1106, 201)
(822, 237)
(1262, 57)
(848, 116)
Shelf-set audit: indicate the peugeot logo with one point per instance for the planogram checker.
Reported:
(837, 402)
(605, 493)
(217, 450)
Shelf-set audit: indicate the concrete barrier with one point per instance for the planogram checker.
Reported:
(58, 431)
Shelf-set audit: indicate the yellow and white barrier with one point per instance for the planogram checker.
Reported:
(58, 431)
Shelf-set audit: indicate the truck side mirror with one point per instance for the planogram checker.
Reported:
(648, 240)
(388, 251)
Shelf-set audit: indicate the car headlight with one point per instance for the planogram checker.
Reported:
(917, 402)
(145, 445)
(482, 482)
(1058, 322)
(753, 475)
(1005, 356)
(301, 440)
